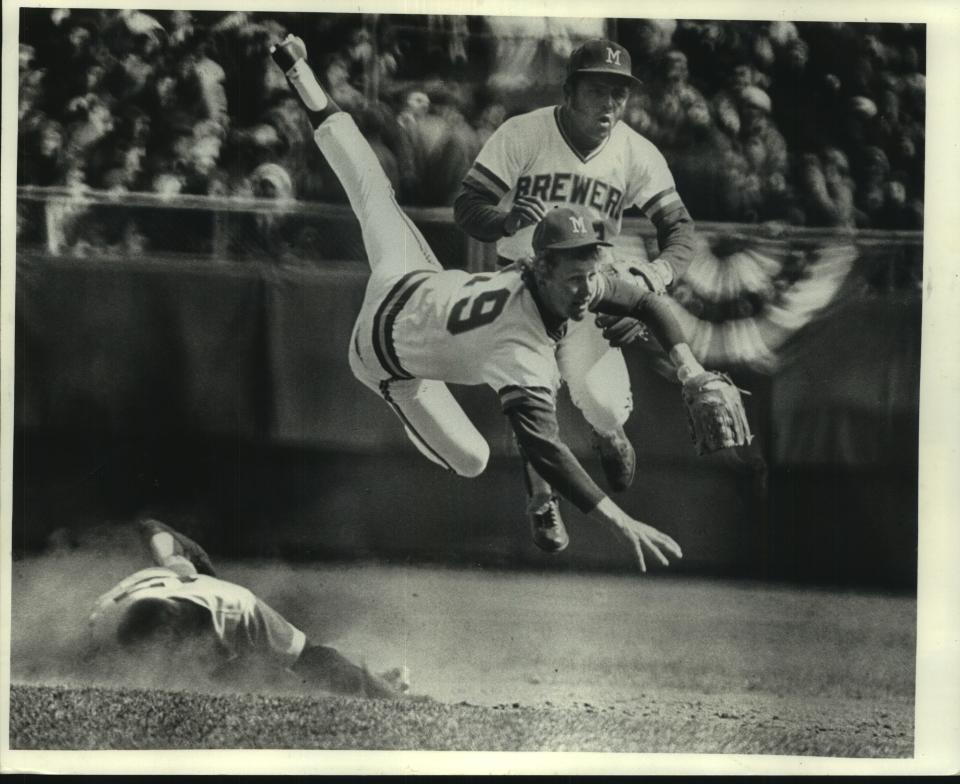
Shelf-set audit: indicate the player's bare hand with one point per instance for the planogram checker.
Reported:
(526, 211)
(646, 537)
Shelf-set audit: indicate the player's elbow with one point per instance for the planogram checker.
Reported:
(469, 210)
(461, 208)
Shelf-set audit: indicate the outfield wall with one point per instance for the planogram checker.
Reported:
(219, 395)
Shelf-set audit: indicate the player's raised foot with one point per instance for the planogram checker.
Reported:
(288, 51)
(546, 526)
(291, 56)
(617, 458)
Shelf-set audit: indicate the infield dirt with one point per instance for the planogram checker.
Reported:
(515, 662)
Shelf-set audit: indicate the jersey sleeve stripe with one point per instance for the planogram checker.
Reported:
(385, 317)
(481, 186)
(654, 202)
(480, 176)
(666, 209)
(512, 396)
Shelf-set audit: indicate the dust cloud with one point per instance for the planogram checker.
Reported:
(53, 594)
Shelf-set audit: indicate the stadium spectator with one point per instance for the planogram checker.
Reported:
(828, 190)
(529, 56)
(491, 118)
(675, 107)
(444, 146)
(839, 85)
(178, 614)
(40, 153)
(765, 151)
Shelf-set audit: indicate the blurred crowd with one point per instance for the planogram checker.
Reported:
(817, 124)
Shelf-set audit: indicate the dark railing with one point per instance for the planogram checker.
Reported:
(54, 219)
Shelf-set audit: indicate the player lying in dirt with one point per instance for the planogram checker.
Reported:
(180, 610)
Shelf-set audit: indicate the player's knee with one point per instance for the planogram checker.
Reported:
(473, 463)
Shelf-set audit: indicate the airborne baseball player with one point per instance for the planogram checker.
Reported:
(421, 326)
(179, 607)
(579, 153)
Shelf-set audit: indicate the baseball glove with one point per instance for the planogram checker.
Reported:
(715, 413)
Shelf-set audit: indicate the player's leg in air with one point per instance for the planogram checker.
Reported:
(396, 252)
(599, 385)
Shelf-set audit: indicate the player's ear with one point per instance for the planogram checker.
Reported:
(540, 266)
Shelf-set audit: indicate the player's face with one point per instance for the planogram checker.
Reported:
(567, 286)
(595, 104)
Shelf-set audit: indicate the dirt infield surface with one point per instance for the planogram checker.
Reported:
(512, 662)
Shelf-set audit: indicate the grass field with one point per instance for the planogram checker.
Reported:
(505, 661)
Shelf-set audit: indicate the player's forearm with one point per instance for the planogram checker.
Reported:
(552, 459)
(620, 297)
(607, 512)
(676, 238)
(478, 216)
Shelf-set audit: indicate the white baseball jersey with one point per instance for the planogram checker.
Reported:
(530, 155)
(465, 328)
(240, 620)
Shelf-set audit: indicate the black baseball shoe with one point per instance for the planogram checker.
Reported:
(617, 458)
(288, 51)
(547, 528)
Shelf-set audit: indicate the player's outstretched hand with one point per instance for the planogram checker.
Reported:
(526, 211)
(640, 535)
(643, 536)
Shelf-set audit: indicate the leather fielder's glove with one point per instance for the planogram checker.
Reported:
(715, 413)
(620, 330)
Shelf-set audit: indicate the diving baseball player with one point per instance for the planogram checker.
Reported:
(579, 153)
(420, 326)
(179, 607)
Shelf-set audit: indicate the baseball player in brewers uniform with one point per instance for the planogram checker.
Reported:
(180, 606)
(421, 326)
(579, 153)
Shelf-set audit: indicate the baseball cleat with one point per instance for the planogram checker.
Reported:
(617, 458)
(291, 56)
(547, 528)
(288, 51)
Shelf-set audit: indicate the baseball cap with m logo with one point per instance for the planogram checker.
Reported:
(564, 228)
(600, 56)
